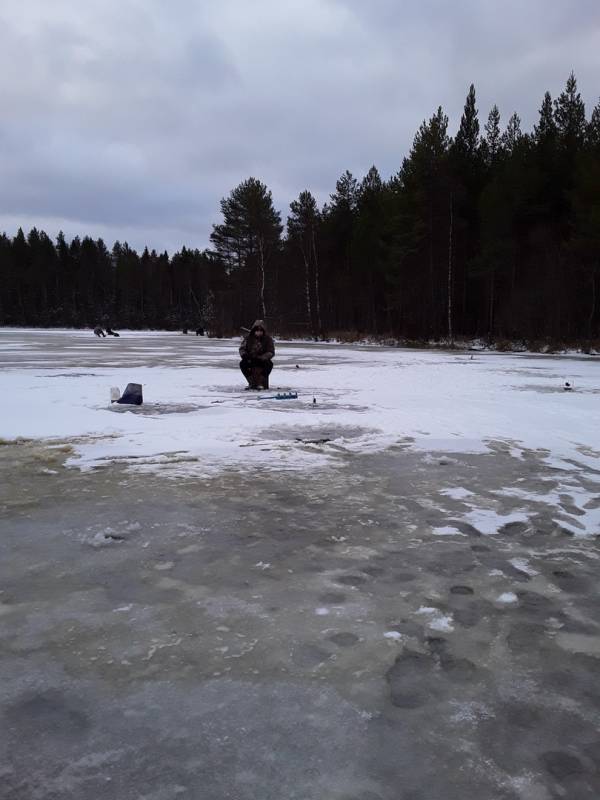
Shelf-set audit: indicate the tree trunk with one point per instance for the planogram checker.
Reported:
(307, 291)
(450, 334)
(593, 306)
(491, 307)
(317, 301)
(433, 329)
(261, 267)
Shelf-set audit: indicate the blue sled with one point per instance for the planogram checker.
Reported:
(280, 396)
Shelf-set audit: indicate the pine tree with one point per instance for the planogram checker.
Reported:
(467, 138)
(418, 231)
(569, 116)
(545, 131)
(493, 138)
(370, 250)
(593, 129)
(249, 237)
(512, 135)
(302, 229)
(468, 177)
(20, 252)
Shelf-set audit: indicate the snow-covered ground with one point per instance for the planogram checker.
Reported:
(197, 418)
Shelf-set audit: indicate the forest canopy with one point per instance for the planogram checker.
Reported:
(492, 232)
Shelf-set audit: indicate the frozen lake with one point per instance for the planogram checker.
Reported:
(197, 420)
(389, 593)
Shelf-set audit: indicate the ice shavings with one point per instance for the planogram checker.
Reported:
(447, 530)
(522, 565)
(507, 598)
(436, 620)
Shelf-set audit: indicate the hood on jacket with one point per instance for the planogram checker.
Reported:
(259, 323)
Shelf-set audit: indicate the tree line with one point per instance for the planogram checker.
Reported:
(494, 232)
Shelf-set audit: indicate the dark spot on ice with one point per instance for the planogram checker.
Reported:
(461, 590)
(523, 716)
(351, 580)
(467, 617)
(561, 765)
(480, 548)
(332, 598)
(525, 637)
(404, 577)
(362, 796)
(47, 714)
(514, 528)
(373, 571)
(459, 669)
(562, 574)
(412, 680)
(436, 643)
(309, 655)
(530, 602)
(344, 639)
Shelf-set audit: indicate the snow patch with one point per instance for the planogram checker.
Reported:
(437, 620)
(507, 597)
(448, 530)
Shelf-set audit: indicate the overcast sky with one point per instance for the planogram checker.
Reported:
(131, 119)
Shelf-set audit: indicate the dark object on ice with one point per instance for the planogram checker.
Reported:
(314, 401)
(185, 330)
(200, 331)
(257, 351)
(297, 367)
(567, 387)
(281, 396)
(132, 395)
(111, 333)
(99, 331)
(116, 537)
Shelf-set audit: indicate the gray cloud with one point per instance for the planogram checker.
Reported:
(130, 119)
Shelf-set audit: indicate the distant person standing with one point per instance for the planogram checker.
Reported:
(257, 351)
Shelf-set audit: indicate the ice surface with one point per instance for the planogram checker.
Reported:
(198, 420)
(457, 493)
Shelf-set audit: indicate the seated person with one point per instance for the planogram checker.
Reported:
(257, 352)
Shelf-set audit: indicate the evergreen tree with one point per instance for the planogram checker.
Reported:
(419, 235)
(249, 239)
(370, 252)
(467, 183)
(493, 138)
(569, 116)
(467, 138)
(302, 230)
(593, 129)
(545, 130)
(512, 135)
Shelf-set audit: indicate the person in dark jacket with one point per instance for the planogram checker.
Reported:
(257, 351)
